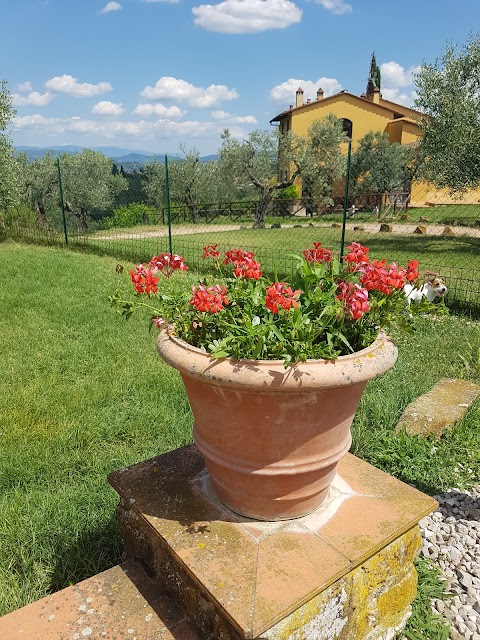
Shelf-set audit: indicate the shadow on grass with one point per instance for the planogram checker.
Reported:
(91, 552)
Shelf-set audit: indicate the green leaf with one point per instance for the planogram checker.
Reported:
(258, 347)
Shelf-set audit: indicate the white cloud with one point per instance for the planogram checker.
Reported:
(407, 98)
(110, 6)
(24, 87)
(34, 98)
(176, 89)
(69, 85)
(113, 129)
(336, 6)
(394, 75)
(247, 16)
(158, 109)
(107, 108)
(228, 117)
(285, 92)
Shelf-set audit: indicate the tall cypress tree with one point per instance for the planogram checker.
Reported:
(374, 77)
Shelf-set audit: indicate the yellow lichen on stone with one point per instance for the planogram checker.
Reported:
(364, 604)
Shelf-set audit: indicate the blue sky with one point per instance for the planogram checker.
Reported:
(154, 74)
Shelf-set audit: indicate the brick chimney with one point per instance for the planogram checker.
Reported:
(320, 94)
(376, 96)
(299, 101)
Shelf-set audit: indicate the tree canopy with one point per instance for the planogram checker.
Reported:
(378, 166)
(89, 184)
(319, 160)
(9, 185)
(448, 94)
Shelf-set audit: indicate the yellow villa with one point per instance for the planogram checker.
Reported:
(360, 115)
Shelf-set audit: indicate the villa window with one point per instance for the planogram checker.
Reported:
(347, 127)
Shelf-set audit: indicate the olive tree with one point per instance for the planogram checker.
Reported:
(448, 94)
(9, 183)
(254, 162)
(191, 182)
(319, 160)
(89, 184)
(40, 180)
(378, 166)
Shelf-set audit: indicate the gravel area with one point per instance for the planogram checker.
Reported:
(451, 539)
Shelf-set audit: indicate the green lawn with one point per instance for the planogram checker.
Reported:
(82, 393)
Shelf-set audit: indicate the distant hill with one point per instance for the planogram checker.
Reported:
(118, 154)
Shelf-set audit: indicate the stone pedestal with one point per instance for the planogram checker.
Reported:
(343, 572)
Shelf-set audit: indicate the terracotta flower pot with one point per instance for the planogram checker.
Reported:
(272, 437)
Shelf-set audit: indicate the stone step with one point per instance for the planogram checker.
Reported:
(439, 409)
(121, 602)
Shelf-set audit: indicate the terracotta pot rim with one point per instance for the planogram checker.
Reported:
(353, 368)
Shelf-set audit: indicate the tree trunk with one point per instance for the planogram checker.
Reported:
(41, 215)
(261, 210)
(83, 219)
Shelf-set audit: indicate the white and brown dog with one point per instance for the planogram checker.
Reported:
(433, 287)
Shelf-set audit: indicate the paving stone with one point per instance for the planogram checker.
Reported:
(438, 409)
(121, 602)
(421, 229)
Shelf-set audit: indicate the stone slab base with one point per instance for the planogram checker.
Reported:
(119, 603)
(343, 572)
(439, 409)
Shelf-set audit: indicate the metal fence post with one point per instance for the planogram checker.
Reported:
(61, 200)
(345, 201)
(167, 196)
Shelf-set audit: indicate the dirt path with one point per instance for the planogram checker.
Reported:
(398, 229)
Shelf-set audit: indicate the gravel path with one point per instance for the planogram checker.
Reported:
(451, 539)
(398, 229)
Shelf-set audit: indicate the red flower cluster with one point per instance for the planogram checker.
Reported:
(380, 277)
(280, 294)
(167, 263)
(355, 299)
(245, 265)
(412, 271)
(209, 299)
(210, 252)
(144, 280)
(358, 254)
(318, 254)
(237, 256)
(247, 268)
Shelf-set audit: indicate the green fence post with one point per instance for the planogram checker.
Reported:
(61, 200)
(167, 196)
(345, 201)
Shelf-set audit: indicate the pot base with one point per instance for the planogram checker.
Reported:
(348, 565)
(274, 509)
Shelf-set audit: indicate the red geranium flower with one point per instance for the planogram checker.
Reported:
(248, 268)
(144, 280)
(355, 299)
(209, 299)
(318, 254)
(210, 252)
(375, 277)
(167, 263)
(396, 276)
(237, 256)
(280, 294)
(412, 270)
(358, 254)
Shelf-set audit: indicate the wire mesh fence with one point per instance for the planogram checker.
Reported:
(414, 221)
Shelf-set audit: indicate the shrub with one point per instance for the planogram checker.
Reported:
(131, 215)
(289, 193)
